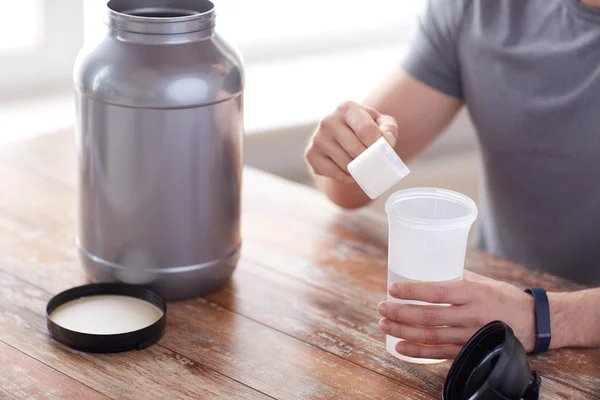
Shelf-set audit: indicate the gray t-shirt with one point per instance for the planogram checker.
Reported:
(529, 73)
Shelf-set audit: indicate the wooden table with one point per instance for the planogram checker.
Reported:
(298, 320)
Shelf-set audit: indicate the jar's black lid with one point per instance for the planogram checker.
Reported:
(113, 342)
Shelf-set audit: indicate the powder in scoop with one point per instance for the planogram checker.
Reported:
(106, 314)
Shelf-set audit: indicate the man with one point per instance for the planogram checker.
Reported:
(529, 74)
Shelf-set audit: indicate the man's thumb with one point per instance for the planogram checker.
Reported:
(389, 129)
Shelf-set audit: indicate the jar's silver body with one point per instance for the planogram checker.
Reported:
(159, 141)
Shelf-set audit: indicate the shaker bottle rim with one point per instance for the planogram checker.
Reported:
(465, 218)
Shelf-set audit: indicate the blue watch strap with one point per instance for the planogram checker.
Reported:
(542, 319)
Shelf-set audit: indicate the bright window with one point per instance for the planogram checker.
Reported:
(39, 40)
(19, 33)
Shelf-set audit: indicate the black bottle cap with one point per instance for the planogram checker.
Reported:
(113, 342)
(492, 365)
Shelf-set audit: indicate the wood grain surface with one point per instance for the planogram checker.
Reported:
(23, 377)
(297, 321)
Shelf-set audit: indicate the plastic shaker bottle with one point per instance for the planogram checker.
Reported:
(428, 232)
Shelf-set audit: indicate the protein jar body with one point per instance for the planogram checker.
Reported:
(159, 141)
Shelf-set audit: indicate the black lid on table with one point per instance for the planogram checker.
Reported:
(107, 343)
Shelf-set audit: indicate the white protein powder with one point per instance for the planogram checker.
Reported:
(106, 314)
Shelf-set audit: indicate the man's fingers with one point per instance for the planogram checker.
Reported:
(325, 166)
(363, 124)
(349, 141)
(417, 350)
(411, 314)
(372, 112)
(427, 315)
(335, 152)
(367, 124)
(387, 125)
(446, 292)
(426, 335)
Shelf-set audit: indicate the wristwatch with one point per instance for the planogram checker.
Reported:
(542, 319)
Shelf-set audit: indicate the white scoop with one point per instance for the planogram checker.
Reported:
(378, 168)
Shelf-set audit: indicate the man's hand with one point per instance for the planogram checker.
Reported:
(342, 135)
(415, 114)
(438, 331)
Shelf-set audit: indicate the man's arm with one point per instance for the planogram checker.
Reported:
(575, 319)
(411, 111)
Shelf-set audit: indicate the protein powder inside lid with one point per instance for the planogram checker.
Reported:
(107, 317)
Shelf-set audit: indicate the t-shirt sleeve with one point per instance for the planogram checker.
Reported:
(432, 57)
